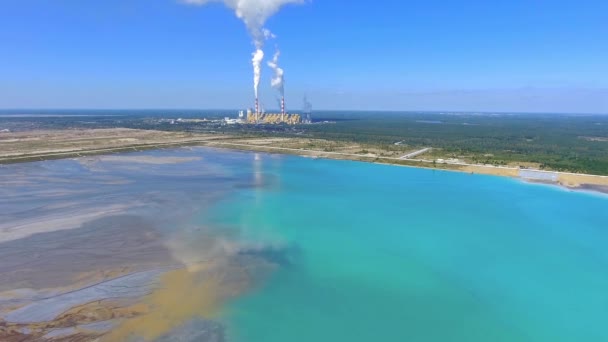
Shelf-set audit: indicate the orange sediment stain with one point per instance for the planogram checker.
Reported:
(183, 295)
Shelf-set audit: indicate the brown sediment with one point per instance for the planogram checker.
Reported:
(101, 310)
(184, 295)
(490, 170)
(100, 275)
(97, 311)
(54, 263)
(577, 180)
(52, 279)
(80, 337)
(12, 334)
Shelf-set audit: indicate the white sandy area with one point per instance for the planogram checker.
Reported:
(20, 229)
(148, 159)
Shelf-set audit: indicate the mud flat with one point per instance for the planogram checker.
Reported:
(110, 248)
(133, 285)
(80, 283)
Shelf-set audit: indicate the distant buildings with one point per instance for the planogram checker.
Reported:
(258, 116)
(272, 118)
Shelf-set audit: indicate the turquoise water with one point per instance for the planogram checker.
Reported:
(361, 252)
(384, 253)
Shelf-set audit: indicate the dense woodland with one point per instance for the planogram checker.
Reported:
(577, 143)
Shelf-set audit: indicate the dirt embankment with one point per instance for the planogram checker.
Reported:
(56, 144)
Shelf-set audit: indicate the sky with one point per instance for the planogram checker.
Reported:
(468, 55)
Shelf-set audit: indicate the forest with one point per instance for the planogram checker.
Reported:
(576, 143)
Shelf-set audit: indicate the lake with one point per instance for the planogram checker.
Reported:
(259, 247)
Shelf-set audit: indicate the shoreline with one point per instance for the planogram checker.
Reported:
(159, 280)
(599, 186)
(85, 143)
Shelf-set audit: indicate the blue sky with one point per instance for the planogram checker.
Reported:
(475, 55)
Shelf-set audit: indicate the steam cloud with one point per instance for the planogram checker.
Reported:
(254, 14)
(278, 80)
(258, 56)
(307, 105)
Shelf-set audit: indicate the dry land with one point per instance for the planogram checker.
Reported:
(55, 144)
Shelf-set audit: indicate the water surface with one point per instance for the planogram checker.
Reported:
(396, 254)
(318, 250)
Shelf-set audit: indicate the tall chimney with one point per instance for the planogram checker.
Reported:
(257, 109)
(282, 106)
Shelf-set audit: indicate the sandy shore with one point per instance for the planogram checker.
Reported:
(568, 180)
(41, 145)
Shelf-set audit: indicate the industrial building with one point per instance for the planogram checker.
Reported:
(260, 117)
(273, 118)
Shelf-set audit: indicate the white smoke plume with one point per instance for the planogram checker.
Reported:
(307, 105)
(268, 34)
(254, 14)
(258, 56)
(278, 80)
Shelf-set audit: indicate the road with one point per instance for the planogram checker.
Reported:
(415, 153)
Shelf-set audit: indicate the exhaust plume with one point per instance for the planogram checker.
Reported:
(307, 105)
(258, 56)
(268, 34)
(254, 14)
(278, 80)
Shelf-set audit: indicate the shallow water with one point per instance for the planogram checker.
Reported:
(359, 251)
(396, 254)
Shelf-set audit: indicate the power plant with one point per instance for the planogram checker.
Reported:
(254, 14)
(258, 116)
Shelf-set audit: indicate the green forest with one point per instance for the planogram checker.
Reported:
(576, 143)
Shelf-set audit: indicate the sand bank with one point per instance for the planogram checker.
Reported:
(40, 145)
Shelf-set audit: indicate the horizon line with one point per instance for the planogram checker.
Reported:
(430, 111)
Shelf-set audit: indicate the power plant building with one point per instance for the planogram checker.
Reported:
(273, 118)
(257, 117)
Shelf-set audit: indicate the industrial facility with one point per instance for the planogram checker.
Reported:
(258, 116)
(273, 118)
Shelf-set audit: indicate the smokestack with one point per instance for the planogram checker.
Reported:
(257, 109)
(254, 14)
(282, 106)
(278, 80)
